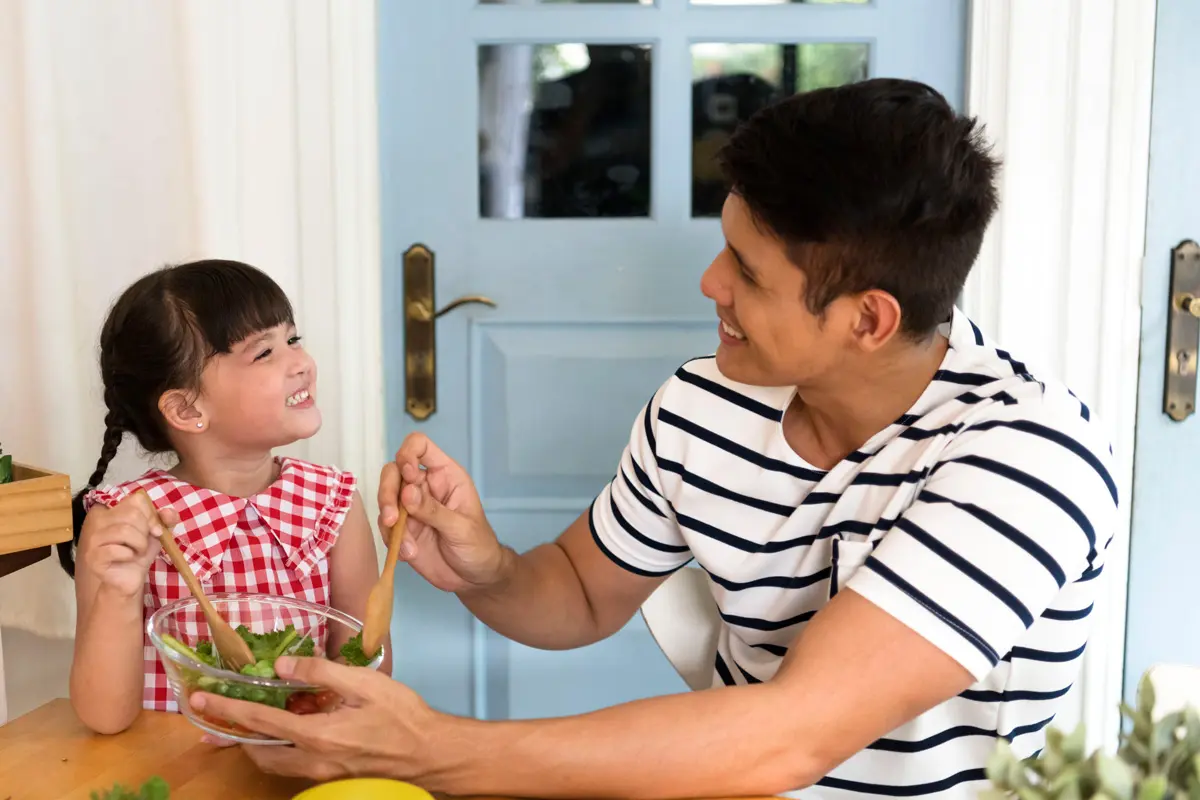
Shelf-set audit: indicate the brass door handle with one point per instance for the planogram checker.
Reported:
(422, 311)
(420, 339)
(1183, 332)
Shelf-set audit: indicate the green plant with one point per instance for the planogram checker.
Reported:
(154, 789)
(5, 467)
(1155, 761)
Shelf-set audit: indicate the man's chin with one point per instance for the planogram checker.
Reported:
(733, 366)
(736, 366)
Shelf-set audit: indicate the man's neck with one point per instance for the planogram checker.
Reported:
(826, 423)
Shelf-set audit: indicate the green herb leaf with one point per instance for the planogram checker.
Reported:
(154, 789)
(267, 645)
(993, 794)
(1145, 695)
(266, 648)
(1164, 736)
(998, 764)
(1072, 746)
(6, 469)
(1153, 788)
(352, 651)
(1116, 778)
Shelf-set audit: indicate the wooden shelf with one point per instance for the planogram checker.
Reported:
(35, 510)
(11, 562)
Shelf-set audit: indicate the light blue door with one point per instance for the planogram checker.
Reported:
(556, 158)
(1165, 539)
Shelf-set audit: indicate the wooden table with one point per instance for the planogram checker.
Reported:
(48, 754)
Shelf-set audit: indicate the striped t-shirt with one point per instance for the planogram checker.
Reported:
(979, 519)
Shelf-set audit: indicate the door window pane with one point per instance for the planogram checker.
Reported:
(730, 81)
(564, 130)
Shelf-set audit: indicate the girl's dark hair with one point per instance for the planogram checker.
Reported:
(159, 336)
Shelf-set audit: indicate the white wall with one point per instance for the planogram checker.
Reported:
(36, 674)
(138, 132)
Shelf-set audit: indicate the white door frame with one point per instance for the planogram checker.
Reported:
(1064, 89)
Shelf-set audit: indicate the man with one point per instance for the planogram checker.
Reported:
(902, 523)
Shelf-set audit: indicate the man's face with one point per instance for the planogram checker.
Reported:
(768, 335)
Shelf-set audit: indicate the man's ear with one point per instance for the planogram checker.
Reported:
(181, 412)
(877, 320)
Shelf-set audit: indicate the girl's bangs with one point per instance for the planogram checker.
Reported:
(229, 301)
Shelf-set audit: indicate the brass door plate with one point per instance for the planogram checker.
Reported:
(420, 340)
(1183, 332)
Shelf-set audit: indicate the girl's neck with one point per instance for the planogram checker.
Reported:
(236, 477)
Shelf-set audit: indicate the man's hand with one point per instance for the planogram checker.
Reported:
(382, 727)
(449, 541)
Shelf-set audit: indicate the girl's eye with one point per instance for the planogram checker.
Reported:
(295, 340)
(263, 354)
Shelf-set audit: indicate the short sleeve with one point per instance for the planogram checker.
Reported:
(307, 508)
(338, 500)
(631, 521)
(107, 496)
(1016, 507)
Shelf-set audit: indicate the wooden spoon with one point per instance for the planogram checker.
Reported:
(233, 649)
(379, 603)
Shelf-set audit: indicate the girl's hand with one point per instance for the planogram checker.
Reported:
(117, 545)
(448, 541)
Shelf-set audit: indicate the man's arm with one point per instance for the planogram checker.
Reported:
(561, 595)
(855, 674)
(762, 739)
(568, 593)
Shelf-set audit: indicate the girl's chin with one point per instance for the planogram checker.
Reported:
(300, 424)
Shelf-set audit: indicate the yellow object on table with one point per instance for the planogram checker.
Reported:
(365, 789)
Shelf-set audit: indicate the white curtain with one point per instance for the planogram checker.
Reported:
(139, 132)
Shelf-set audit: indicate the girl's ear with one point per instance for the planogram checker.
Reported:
(180, 412)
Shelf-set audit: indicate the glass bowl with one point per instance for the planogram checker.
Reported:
(183, 622)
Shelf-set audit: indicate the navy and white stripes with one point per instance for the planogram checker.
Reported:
(979, 519)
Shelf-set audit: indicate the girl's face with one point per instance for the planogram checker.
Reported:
(263, 394)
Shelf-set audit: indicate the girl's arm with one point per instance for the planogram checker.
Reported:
(116, 547)
(353, 571)
(107, 667)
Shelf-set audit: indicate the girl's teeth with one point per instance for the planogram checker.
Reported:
(732, 332)
(298, 398)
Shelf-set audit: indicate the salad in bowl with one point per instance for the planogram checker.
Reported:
(272, 626)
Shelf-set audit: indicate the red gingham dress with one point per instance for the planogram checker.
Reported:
(275, 542)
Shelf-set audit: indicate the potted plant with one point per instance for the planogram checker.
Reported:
(35, 507)
(1156, 760)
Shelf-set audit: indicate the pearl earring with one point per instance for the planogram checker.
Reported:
(199, 424)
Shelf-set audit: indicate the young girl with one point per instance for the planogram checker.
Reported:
(203, 360)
